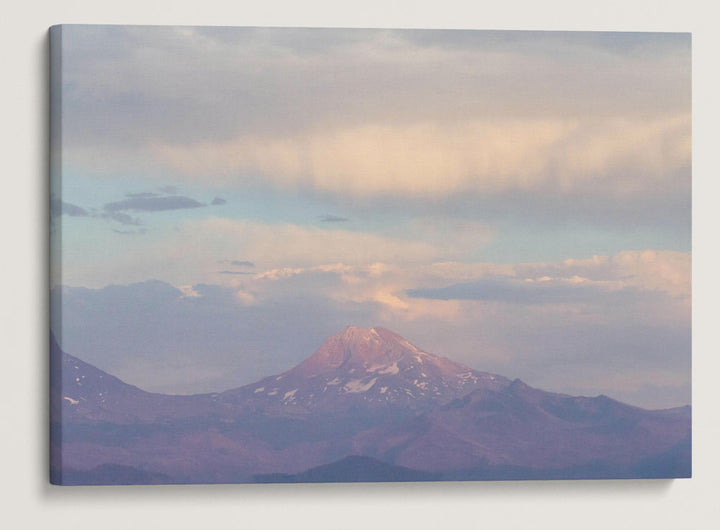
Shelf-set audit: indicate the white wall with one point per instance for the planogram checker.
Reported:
(27, 500)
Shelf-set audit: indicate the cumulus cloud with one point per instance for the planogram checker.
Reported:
(655, 283)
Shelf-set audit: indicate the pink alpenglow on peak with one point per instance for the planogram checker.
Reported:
(368, 368)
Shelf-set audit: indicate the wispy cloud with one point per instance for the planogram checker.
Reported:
(152, 204)
(542, 291)
(141, 195)
(333, 219)
(218, 201)
(241, 263)
(130, 232)
(122, 218)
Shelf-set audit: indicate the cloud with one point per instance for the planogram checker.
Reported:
(290, 245)
(241, 263)
(217, 201)
(123, 218)
(59, 207)
(170, 190)
(130, 232)
(333, 219)
(369, 113)
(152, 204)
(628, 346)
(542, 291)
(431, 160)
(190, 253)
(236, 272)
(141, 195)
(651, 287)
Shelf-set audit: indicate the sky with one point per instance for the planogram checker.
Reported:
(223, 199)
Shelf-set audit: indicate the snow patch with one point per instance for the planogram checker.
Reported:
(408, 345)
(289, 395)
(383, 389)
(392, 369)
(335, 381)
(71, 400)
(273, 393)
(467, 376)
(259, 389)
(356, 386)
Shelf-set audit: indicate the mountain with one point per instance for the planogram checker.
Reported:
(528, 428)
(83, 393)
(353, 469)
(366, 370)
(367, 405)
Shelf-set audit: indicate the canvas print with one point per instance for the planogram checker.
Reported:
(349, 255)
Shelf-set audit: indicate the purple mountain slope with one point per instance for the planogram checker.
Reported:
(525, 427)
(366, 393)
(87, 394)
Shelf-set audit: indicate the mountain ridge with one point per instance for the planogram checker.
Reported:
(366, 393)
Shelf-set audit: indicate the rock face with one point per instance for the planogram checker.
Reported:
(366, 395)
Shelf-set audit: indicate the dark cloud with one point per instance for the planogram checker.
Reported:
(123, 218)
(333, 219)
(239, 263)
(235, 272)
(152, 204)
(59, 207)
(523, 292)
(217, 201)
